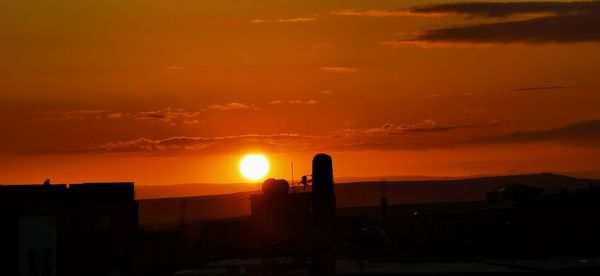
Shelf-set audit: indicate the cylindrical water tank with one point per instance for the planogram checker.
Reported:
(322, 174)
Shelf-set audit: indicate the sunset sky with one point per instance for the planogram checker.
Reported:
(177, 91)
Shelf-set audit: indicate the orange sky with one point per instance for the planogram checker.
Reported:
(163, 92)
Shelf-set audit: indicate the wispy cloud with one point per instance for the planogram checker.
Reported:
(541, 88)
(73, 115)
(339, 69)
(167, 115)
(164, 115)
(297, 19)
(307, 102)
(581, 134)
(371, 13)
(284, 20)
(397, 129)
(209, 145)
(231, 106)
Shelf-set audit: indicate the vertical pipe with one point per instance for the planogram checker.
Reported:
(324, 214)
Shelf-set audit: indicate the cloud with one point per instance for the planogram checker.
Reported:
(383, 146)
(192, 145)
(73, 115)
(298, 19)
(145, 144)
(284, 20)
(164, 115)
(566, 22)
(394, 129)
(208, 145)
(541, 88)
(387, 137)
(150, 115)
(308, 102)
(339, 69)
(259, 21)
(555, 29)
(506, 9)
(372, 13)
(584, 134)
(581, 134)
(231, 106)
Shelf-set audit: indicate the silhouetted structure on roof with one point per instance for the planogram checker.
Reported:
(56, 230)
(324, 214)
(302, 221)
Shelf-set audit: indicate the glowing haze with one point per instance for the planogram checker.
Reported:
(162, 92)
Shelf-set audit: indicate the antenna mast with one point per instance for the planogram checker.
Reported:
(292, 165)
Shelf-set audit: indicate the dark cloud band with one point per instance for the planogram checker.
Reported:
(569, 22)
(505, 9)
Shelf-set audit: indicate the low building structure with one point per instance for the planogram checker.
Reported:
(77, 229)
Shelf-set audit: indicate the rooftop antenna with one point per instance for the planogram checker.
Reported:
(292, 165)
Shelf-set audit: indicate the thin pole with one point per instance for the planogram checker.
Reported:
(292, 164)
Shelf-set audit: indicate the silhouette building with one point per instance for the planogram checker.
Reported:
(79, 229)
(299, 221)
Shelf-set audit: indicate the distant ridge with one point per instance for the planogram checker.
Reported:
(191, 189)
(166, 211)
(583, 174)
(202, 189)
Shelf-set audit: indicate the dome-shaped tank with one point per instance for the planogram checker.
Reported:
(274, 186)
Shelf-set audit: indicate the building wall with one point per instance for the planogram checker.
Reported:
(37, 245)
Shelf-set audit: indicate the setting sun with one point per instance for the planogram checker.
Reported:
(254, 166)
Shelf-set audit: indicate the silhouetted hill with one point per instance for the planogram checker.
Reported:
(192, 189)
(201, 189)
(583, 174)
(351, 179)
(168, 211)
(472, 189)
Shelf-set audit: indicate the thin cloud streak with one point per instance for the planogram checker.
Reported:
(542, 88)
(374, 13)
(339, 69)
(306, 102)
(170, 115)
(231, 106)
(507, 9)
(284, 20)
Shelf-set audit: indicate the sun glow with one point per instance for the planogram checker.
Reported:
(254, 166)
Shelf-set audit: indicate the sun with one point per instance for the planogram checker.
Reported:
(254, 166)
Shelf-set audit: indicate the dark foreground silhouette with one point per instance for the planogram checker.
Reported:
(536, 224)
